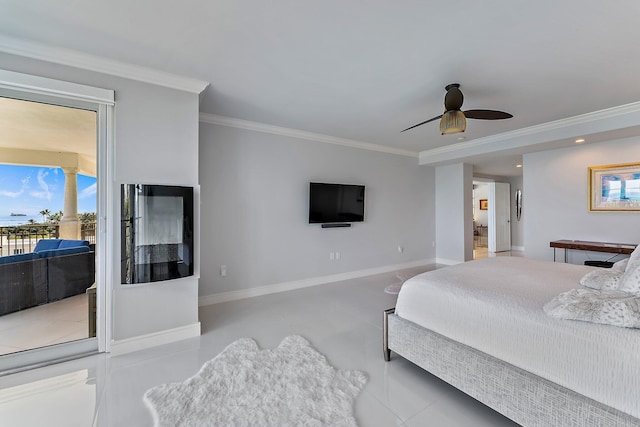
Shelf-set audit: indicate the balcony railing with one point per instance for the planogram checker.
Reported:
(21, 239)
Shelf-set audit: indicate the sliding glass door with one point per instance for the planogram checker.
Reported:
(51, 301)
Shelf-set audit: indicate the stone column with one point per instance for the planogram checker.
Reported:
(70, 223)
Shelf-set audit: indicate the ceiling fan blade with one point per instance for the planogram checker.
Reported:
(420, 124)
(486, 114)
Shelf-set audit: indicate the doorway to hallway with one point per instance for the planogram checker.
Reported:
(480, 219)
(491, 218)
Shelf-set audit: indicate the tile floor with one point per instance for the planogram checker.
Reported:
(483, 252)
(342, 320)
(53, 323)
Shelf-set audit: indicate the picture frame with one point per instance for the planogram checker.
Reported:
(484, 204)
(614, 188)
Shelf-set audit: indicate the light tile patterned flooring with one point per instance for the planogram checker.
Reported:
(479, 253)
(66, 320)
(53, 323)
(342, 320)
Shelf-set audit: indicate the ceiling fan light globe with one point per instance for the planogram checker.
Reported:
(453, 122)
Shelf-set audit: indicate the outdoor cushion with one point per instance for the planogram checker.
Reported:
(65, 251)
(64, 244)
(17, 258)
(47, 244)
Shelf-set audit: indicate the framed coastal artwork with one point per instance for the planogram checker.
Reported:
(614, 188)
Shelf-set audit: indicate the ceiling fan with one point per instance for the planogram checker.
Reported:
(453, 120)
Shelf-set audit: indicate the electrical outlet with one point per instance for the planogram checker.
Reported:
(400, 249)
(332, 256)
(223, 270)
(337, 255)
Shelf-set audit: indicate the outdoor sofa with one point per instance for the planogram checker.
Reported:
(56, 269)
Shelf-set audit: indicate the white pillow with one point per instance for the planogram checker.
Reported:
(607, 279)
(609, 307)
(630, 280)
(634, 257)
(620, 265)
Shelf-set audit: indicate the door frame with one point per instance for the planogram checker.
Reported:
(41, 89)
(499, 205)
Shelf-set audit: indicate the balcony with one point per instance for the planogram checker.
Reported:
(21, 239)
(67, 318)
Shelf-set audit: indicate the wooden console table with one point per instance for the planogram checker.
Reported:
(580, 245)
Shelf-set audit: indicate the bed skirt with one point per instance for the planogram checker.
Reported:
(517, 394)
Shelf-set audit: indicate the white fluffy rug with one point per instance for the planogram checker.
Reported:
(292, 385)
(394, 288)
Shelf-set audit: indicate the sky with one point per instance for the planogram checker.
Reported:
(29, 190)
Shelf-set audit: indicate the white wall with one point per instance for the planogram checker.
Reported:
(156, 137)
(454, 213)
(255, 209)
(555, 199)
(156, 143)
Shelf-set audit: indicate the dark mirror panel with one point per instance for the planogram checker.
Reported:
(157, 233)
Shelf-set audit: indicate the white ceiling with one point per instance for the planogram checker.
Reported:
(364, 70)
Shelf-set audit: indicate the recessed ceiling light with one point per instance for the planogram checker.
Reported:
(579, 140)
(518, 165)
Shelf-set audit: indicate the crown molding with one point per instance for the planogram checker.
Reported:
(529, 136)
(44, 86)
(294, 133)
(98, 64)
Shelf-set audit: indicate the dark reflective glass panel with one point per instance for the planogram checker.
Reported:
(156, 233)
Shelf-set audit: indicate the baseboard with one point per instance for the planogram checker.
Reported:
(445, 261)
(128, 345)
(517, 248)
(305, 283)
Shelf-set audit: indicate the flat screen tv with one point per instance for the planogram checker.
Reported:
(335, 203)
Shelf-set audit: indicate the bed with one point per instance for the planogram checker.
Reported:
(480, 326)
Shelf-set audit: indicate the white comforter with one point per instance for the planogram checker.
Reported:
(495, 305)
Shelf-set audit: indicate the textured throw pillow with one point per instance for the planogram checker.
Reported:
(606, 279)
(608, 307)
(630, 280)
(620, 265)
(634, 257)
